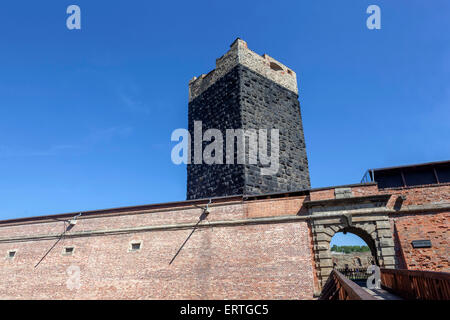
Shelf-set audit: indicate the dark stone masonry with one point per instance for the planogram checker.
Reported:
(239, 96)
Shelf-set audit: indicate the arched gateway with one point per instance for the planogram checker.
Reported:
(364, 216)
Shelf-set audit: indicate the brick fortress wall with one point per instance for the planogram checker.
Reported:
(219, 261)
(255, 248)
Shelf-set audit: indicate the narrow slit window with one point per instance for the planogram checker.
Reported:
(135, 246)
(275, 66)
(69, 251)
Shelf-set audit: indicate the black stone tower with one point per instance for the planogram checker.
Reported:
(247, 91)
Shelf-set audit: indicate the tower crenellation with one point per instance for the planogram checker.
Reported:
(239, 53)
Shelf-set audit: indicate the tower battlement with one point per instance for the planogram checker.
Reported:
(239, 53)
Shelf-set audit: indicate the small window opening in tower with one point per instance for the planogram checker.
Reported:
(11, 254)
(69, 250)
(135, 246)
(275, 66)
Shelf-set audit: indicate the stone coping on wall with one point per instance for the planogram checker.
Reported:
(358, 217)
(240, 54)
(350, 200)
(157, 207)
(169, 206)
(223, 201)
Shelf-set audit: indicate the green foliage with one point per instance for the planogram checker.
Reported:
(350, 249)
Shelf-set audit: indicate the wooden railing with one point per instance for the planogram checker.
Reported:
(338, 287)
(417, 285)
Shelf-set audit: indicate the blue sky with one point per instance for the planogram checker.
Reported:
(86, 115)
(349, 239)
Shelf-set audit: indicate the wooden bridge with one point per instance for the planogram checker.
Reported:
(396, 284)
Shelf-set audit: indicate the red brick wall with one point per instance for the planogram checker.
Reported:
(434, 227)
(322, 194)
(422, 194)
(365, 190)
(266, 261)
(240, 261)
(275, 207)
(419, 225)
(357, 191)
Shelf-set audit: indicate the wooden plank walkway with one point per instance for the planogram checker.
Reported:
(382, 294)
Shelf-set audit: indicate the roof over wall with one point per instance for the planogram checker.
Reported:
(411, 175)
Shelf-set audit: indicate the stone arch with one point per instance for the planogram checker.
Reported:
(363, 234)
(373, 230)
(362, 231)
